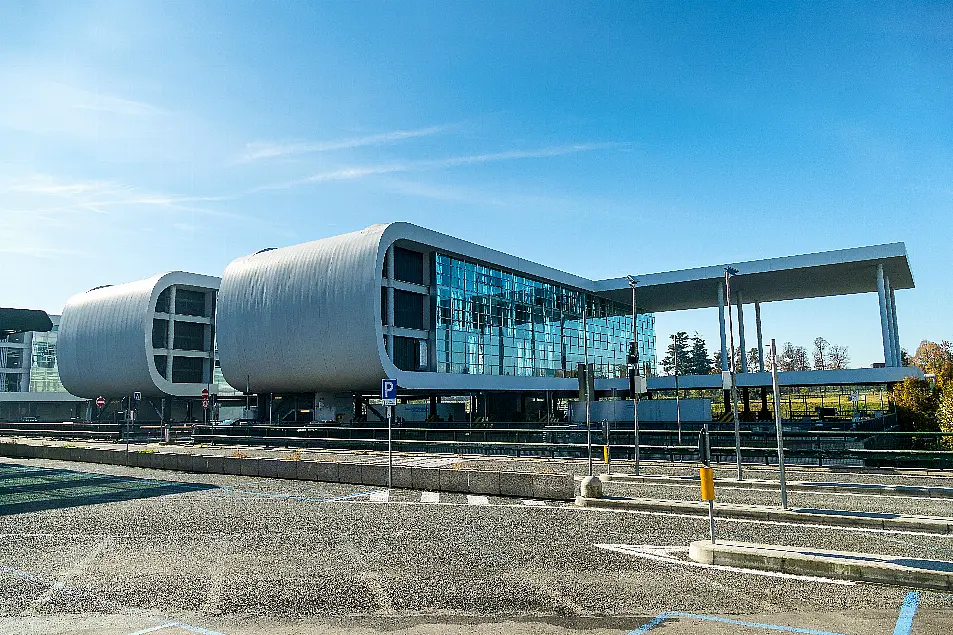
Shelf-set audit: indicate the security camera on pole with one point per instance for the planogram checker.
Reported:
(731, 271)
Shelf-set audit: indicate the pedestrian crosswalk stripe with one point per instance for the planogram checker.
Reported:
(380, 497)
(429, 497)
(477, 500)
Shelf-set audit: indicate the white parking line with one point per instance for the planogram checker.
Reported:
(429, 497)
(664, 554)
(535, 503)
(477, 500)
(380, 497)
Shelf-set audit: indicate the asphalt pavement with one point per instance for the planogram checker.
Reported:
(108, 549)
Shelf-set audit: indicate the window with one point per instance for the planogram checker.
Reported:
(408, 266)
(162, 302)
(407, 353)
(188, 370)
(188, 336)
(190, 302)
(162, 364)
(160, 333)
(12, 357)
(408, 309)
(495, 322)
(11, 382)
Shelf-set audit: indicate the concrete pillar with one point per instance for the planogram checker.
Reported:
(721, 326)
(741, 335)
(884, 316)
(757, 323)
(893, 323)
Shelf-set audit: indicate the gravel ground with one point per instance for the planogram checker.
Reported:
(105, 541)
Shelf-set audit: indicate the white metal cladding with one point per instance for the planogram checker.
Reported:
(307, 318)
(304, 318)
(104, 344)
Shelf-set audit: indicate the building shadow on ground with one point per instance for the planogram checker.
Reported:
(30, 489)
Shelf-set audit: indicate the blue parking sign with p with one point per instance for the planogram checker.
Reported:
(389, 391)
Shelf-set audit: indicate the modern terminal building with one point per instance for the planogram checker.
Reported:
(311, 329)
(153, 337)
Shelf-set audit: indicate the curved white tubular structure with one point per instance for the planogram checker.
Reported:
(152, 336)
(308, 318)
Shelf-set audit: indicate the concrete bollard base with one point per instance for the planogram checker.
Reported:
(591, 487)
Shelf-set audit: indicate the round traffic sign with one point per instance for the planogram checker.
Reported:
(205, 393)
(205, 403)
(100, 402)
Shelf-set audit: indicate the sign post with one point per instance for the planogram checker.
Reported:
(389, 397)
(205, 405)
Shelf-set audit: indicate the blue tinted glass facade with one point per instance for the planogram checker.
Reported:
(498, 323)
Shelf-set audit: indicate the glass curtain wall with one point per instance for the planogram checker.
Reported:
(498, 323)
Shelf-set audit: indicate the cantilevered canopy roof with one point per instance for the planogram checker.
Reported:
(828, 273)
(23, 320)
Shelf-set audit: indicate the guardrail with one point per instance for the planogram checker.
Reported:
(803, 443)
(94, 431)
(820, 446)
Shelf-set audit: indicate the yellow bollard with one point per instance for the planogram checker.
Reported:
(605, 454)
(707, 483)
(707, 478)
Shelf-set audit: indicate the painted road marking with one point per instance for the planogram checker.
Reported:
(477, 500)
(907, 611)
(664, 554)
(904, 621)
(429, 497)
(533, 503)
(380, 497)
(178, 625)
(661, 617)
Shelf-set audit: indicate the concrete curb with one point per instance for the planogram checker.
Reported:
(863, 520)
(810, 487)
(560, 487)
(839, 565)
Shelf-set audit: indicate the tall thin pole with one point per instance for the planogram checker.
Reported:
(777, 422)
(635, 393)
(390, 447)
(731, 367)
(678, 405)
(586, 378)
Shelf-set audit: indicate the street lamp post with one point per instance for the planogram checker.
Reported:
(634, 376)
(731, 271)
(678, 406)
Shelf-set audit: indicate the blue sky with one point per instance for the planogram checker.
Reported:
(598, 138)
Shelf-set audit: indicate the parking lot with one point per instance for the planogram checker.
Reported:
(107, 549)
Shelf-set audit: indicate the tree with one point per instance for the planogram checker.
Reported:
(916, 404)
(753, 358)
(699, 361)
(678, 352)
(820, 353)
(944, 415)
(837, 357)
(792, 358)
(936, 359)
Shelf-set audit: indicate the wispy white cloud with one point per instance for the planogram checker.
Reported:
(259, 150)
(358, 172)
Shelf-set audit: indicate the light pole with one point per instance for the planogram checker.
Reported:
(634, 376)
(678, 406)
(731, 271)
